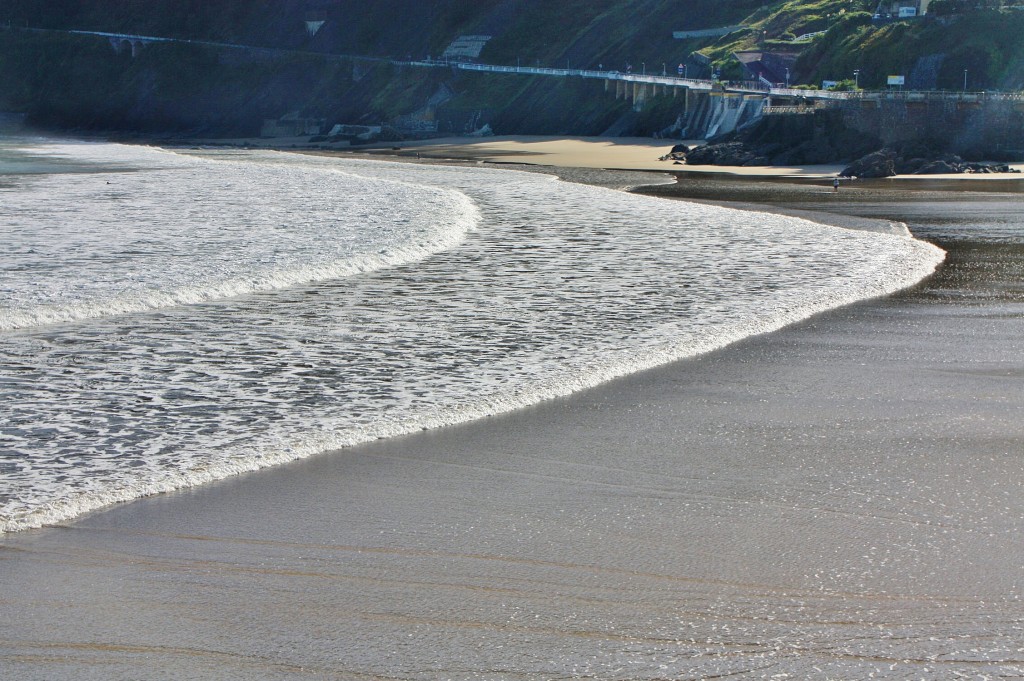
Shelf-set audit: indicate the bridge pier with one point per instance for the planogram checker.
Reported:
(121, 44)
(639, 96)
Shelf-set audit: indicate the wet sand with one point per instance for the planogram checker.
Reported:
(839, 499)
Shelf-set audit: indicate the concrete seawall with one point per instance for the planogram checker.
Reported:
(970, 124)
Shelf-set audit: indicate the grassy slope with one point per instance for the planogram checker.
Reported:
(987, 44)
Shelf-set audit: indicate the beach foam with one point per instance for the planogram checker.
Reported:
(560, 287)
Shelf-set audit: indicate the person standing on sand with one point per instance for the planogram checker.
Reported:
(835, 184)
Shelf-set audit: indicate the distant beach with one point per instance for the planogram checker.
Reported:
(837, 499)
(595, 153)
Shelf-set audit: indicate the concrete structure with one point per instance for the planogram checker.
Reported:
(706, 32)
(291, 125)
(903, 8)
(466, 47)
(969, 122)
(767, 67)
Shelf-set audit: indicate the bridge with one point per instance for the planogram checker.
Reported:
(134, 42)
(121, 41)
(762, 89)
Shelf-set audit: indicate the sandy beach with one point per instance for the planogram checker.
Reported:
(608, 153)
(841, 499)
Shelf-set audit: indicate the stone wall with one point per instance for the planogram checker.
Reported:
(971, 125)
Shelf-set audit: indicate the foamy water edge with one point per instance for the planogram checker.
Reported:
(482, 405)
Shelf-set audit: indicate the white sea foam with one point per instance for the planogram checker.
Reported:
(148, 229)
(562, 287)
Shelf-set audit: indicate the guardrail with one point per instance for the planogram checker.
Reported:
(650, 79)
(933, 95)
(772, 110)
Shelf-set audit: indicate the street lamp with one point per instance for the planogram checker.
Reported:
(856, 79)
(787, 77)
(663, 72)
(643, 68)
(965, 80)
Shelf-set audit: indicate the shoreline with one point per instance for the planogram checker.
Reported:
(595, 153)
(820, 500)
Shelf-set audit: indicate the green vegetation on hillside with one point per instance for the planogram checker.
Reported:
(985, 44)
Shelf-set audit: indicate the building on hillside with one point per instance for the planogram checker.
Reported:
(767, 68)
(902, 8)
(466, 48)
(291, 125)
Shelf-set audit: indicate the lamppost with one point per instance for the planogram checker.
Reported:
(787, 77)
(663, 72)
(643, 68)
(856, 79)
(965, 80)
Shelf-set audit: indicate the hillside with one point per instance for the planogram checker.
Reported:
(80, 82)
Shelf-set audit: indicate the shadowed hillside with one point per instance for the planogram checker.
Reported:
(81, 82)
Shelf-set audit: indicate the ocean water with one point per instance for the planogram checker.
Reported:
(171, 318)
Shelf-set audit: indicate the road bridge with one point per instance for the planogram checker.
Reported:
(120, 41)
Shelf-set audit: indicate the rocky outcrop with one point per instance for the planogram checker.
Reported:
(917, 160)
(678, 153)
(788, 140)
(876, 164)
(726, 154)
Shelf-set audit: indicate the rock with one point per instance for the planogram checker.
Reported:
(725, 154)
(680, 149)
(988, 168)
(904, 166)
(937, 168)
(888, 162)
(876, 164)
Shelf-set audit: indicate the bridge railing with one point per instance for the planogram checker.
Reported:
(900, 95)
(932, 95)
(774, 110)
(649, 79)
(809, 94)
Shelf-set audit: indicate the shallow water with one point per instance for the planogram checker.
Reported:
(173, 318)
(840, 499)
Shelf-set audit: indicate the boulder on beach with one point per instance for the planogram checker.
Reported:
(937, 168)
(725, 154)
(881, 163)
